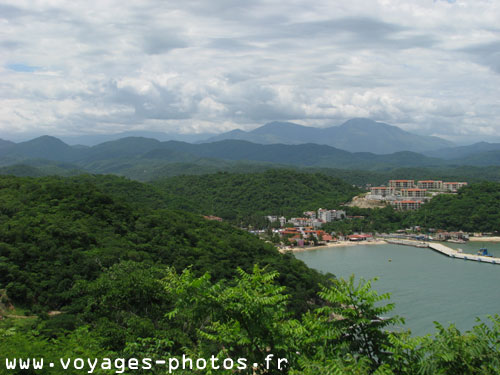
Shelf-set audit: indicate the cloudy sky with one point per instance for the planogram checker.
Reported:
(195, 66)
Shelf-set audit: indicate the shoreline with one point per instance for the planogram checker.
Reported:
(335, 244)
(484, 239)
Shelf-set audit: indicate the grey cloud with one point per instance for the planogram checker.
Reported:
(230, 44)
(360, 32)
(11, 12)
(11, 44)
(486, 54)
(162, 42)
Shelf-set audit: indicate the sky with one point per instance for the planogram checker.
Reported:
(207, 66)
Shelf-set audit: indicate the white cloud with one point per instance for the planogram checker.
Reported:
(192, 66)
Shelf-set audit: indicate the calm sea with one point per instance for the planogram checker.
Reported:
(424, 285)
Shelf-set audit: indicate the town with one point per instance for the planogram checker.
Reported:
(402, 195)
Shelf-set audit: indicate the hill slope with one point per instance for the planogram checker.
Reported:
(246, 198)
(55, 232)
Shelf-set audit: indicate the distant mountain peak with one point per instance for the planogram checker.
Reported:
(355, 135)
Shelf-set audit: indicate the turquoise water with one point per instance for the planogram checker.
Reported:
(424, 285)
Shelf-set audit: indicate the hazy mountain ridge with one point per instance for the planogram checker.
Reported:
(127, 152)
(355, 135)
(142, 156)
(465, 151)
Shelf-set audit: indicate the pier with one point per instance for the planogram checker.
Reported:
(445, 250)
(452, 253)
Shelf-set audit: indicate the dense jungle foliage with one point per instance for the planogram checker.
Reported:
(246, 198)
(97, 267)
(55, 231)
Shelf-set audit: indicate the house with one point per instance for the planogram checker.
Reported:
(326, 237)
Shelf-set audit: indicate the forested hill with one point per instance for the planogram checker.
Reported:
(247, 197)
(105, 254)
(55, 232)
(475, 208)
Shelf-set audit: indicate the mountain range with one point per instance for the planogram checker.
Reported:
(142, 158)
(356, 135)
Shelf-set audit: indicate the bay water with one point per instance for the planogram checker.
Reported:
(424, 285)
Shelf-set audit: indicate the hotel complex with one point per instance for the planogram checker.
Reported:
(408, 195)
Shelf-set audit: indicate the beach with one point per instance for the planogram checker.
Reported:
(484, 239)
(335, 244)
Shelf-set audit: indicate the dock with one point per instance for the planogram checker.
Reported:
(452, 253)
(445, 250)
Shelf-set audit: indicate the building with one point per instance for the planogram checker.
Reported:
(300, 221)
(325, 215)
(413, 193)
(402, 184)
(310, 214)
(406, 205)
(430, 185)
(359, 237)
(453, 186)
(282, 220)
(330, 215)
(382, 191)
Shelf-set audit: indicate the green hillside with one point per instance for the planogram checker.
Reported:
(246, 198)
(95, 267)
(55, 232)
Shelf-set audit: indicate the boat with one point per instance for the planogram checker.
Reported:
(456, 241)
(484, 252)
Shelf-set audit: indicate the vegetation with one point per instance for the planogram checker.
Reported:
(475, 208)
(239, 322)
(55, 232)
(246, 198)
(102, 269)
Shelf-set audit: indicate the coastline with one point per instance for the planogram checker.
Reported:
(335, 244)
(484, 239)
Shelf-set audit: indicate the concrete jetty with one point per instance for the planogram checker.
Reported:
(445, 250)
(452, 253)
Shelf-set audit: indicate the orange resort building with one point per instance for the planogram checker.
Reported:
(383, 191)
(401, 184)
(406, 205)
(430, 185)
(413, 193)
(453, 186)
(359, 237)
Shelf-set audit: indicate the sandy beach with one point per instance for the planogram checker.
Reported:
(484, 239)
(335, 244)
